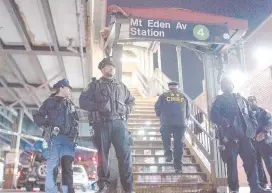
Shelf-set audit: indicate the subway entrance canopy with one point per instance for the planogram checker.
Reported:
(200, 31)
(213, 38)
(155, 29)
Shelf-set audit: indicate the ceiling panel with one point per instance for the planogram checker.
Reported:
(50, 67)
(73, 71)
(28, 68)
(5, 95)
(34, 19)
(28, 100)
(8, 31)
(65, 21)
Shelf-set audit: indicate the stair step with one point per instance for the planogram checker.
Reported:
(149, 113)
(139, 115)
(160, 160)
(178, 187)
(163, 164)
(142, 121)
(170, 183)
(139, 135)
(144, 155)
(170, 173)
(153, 148)
(144, 108)
(143, 124)
(169, 177)
(148, 141)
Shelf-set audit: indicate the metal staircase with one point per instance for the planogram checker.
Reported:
(203, 169)
(151, 172)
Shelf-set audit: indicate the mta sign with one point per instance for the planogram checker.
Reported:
(153, 29)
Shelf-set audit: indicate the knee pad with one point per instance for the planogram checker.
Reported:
(67, 170)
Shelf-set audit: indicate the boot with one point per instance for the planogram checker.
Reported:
(259, 189)
(264, 186)
(169, 158)
(178, 170)
(103, 188)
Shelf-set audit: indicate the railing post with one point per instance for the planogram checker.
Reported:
(178, 50)
(217, 167)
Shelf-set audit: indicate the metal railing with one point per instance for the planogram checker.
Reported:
(200, 134)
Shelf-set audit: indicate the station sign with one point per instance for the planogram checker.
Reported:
(158, 29)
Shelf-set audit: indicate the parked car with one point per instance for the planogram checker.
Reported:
(81, 180)
(33, 176)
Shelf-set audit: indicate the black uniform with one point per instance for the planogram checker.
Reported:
(237, 124)
(264, 147)
(59, 118)
(173, 109)
(109, 102)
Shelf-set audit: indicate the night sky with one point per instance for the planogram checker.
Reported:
(255, 11)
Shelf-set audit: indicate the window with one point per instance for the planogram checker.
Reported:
(77, 170)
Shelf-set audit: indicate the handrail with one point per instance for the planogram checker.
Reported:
(143, 82)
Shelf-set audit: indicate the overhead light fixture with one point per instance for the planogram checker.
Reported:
(238, 78)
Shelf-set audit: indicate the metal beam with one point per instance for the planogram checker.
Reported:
(20, 77)
(34, 86)
(33, 52)
(17, 148)
(13, 10)
(52, 31)
(2, 102)
(16, 18)
(34, 90)
(19, 85)
(13, 94)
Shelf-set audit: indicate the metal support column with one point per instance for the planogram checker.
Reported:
(117, 51)
(209, 62)
(218, 169)
(117, 56)
(17, 148)
(178, 50)
(240, 54)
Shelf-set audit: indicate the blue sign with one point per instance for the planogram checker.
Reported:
(155, 29)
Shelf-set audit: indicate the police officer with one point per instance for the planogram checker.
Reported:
(109, 102)
(237, 127)
(173, 109)
(263, 138)
(59, 118)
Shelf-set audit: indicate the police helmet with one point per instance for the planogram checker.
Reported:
(173, 83)
(62, 83)
(104, 62)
